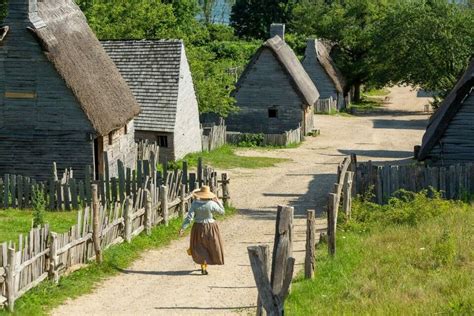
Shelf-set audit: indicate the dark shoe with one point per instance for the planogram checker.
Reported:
(204, 272)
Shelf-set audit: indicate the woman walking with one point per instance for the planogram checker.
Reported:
(206, 242)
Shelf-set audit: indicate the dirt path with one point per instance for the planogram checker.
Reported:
(167, 282)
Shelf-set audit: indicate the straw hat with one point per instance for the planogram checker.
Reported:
(204, 193)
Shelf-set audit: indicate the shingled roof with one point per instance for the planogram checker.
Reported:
(77, 55)
(290, 63)
(152, 70)
(321, 51)
(446, 112)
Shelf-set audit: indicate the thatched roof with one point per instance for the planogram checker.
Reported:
(446, 112)
(291, 65)
(79, 58)
(152, 69)
(321, 52)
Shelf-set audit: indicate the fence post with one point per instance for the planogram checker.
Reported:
(331, 210)
(283, 246)
(10, 269)
(127, 213)
(347, 202)
(53, 258)
(225, 188)
(182, 203)
(309, 263)
(164, 203)
(199, 172)
(266, 266)
(148, 212)
(96, 231)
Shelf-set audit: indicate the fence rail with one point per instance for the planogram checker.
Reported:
(287, 138)
(454, 182)
(326, 106)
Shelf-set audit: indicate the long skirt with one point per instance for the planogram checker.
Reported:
(206, 244)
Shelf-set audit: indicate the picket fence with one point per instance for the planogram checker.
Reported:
(325, 106)
(453, 182)
(44, 254)
(213, 136)
(287, 138)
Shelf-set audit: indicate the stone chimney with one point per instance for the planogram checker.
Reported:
(277, 29)
(24, 11)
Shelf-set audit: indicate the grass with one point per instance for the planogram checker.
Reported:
(15, 222)
(365, 105)
(226, 158)
(48, 295)
(377, 92)
(413, 256)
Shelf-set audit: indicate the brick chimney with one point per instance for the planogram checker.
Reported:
(277, 29)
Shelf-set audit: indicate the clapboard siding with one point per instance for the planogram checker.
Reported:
(266, 85)
(457, 143)
(320, 78)
(187, 132)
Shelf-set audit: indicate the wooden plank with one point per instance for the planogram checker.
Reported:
(6, 191)
(282, 248)
(88, 184)
(121, 180)
(96, 229)
(331, 230)
(310, 260)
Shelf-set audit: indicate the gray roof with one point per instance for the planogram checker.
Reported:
(152, 70)
(290, 63)
(446, 111)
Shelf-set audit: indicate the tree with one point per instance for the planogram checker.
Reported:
(424, 43)
(350, 26)
(252, 18)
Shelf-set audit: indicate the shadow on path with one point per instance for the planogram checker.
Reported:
(169, 273)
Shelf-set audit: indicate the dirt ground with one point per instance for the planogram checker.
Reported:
(167, 282)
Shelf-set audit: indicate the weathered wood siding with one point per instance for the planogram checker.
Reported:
(122, 147)
(457, 143)
(45, 123)
(187, 132)
(166, 153)
(320, 78)
(266, 86)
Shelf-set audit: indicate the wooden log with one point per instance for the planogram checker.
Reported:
(148, 211)
(309, 263)
(96, 228)
(164, 203)
(331, 214)
(128, 221)
(271, 302)
(282, 248)
(10, 270)
(266, 266)
(53, 258)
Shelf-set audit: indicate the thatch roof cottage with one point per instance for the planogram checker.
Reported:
(62, 98)
(158, 73)
(323, 71)
(274, 93)
(449, 137)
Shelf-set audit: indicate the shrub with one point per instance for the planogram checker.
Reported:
(39, 207)
(251, 140)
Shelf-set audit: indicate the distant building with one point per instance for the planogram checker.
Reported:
(158, 73)
(62, 98)
(274, 93)
(323, 71)
(449, 138)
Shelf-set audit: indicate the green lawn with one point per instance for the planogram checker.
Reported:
(226, 158)
(377, 92)
(415, 256)
(14, 222)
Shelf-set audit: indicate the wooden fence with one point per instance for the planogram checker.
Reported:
(214, 136)
(287, 138)
(454, 182)
(326, 106)
(44, 254)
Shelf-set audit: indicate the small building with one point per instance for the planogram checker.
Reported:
(158, 73)
(325, 75)
(62, 98)
(274, 93)
(449, 137)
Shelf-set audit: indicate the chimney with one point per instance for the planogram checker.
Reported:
(277, 29)
(25, 11)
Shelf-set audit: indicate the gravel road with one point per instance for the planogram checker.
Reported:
(167, 282)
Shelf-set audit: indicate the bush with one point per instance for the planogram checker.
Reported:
(251, 140)
(39, 207)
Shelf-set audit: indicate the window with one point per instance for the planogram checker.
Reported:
(162, 141)
(272, 113)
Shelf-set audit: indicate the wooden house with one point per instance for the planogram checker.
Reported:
(325, 75)
(449, 137)
(158, 73)
(274, 93)
(62, 98)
